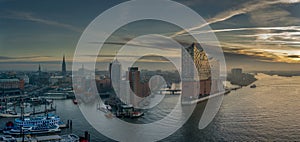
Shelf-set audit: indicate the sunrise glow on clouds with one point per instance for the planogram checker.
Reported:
(268, 31)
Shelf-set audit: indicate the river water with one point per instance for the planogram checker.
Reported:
(269, 112)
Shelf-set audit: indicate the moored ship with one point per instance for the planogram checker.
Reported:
(34, 125)
(12, 114)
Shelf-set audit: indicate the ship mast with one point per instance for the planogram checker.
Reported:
(22, 118)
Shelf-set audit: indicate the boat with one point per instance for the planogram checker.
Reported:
(253, 86)
(35, 100)
(48, 138)
(69, 138)
(136, 114)
(26, 104)
(127, 111)
(34, 130)
(10, 103)
(12, 114)
(49, 101)
(104, 108)
(34, 125)
(75, 101)
(7, 138)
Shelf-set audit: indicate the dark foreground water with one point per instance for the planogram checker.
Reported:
(270, 112)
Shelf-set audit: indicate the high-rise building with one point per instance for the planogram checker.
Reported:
(236, 75)
(196, 57)
(63, 67)
(139, 88)
(115, 75)
(134, 79)
(195, 61)
(187, 55)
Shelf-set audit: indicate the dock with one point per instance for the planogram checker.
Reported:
(44, 111)
(196, 101)
(50, 138)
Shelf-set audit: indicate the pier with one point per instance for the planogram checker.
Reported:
(196, 101)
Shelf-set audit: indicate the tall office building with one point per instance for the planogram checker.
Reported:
(140, 89)
(115, 75)
(236, 75)
(63, 67)
(134, 79)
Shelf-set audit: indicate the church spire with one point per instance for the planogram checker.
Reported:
(39, 67)
(63, 67)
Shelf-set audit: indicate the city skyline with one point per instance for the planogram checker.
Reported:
(254, 35)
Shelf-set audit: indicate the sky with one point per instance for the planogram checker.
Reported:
(254, 34)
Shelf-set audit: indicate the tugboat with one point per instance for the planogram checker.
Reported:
(253, 86)
(37, 125)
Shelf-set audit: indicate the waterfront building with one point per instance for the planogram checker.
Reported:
(138, 87)
(134, 79)
(115, 75)
(199, 62)
(103, 85)
(12, 87)
(236, 73)
(125, 96)
(237, 77)
(197, 70)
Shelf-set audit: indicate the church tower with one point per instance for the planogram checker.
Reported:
(63, 67)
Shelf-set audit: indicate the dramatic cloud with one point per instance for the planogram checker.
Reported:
(270, 53)
(242, 9)
(273, 17)
(28, 58)
(31, 17)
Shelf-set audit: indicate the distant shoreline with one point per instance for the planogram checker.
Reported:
(280, 73)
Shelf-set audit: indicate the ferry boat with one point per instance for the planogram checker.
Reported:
(34, 125)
